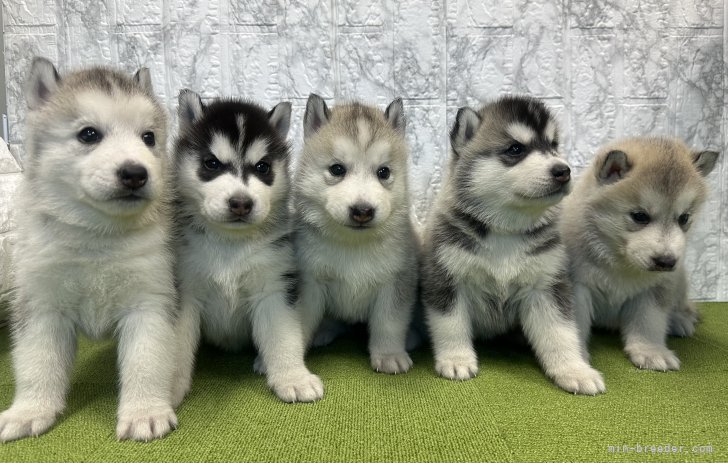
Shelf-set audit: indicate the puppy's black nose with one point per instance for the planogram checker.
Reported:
(240, 205)
(561, 173)
(133, 176)
(664, 263)
(361, 213)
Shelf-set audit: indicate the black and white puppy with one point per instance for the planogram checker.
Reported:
(236, 266)
(493, 258)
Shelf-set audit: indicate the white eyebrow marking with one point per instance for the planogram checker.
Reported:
(222, 148)
(550, 131)
(521, 133)
(257, 150)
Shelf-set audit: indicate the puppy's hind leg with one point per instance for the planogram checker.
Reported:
(583, 307)
(684, 319)
(548, 324)
(685, 316)
(147, 364)
(310, 306)
(187, 332)
(43, 352)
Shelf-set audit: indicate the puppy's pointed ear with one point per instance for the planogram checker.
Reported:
(705, 161)
(144, 79)
(190, 109)
(280, 118)
(317, 115)
(467, 122)
(42, 82)
(614, 167)
(395, 115)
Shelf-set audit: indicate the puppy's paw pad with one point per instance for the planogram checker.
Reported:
(391, 363)
(146, 424)
(458, 368)
(17, 423)
(653, 358)
(581, 380)
(303, 387)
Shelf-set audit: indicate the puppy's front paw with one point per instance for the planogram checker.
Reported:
(297, 387)
(145, 424)
(460, 367)
(650, 357)
(391, 363)
(580, 380)
(19, 422)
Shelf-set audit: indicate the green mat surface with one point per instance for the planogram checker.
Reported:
(509, 412)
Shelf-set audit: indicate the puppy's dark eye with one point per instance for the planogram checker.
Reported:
(555, 144)
(89, 135)
(383, 173)
(262, 167)
(683, 219)
(212, 163)
(640, 217)
(337, 170)
(515, 149)
(148, 139)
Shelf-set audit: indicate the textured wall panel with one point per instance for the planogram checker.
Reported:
(592, 95)
(608, 68)
(419, 50)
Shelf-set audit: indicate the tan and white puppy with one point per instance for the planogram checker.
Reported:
(92, 250)
(493, 259)
(236, 266)
(356, 248)
(626, 227)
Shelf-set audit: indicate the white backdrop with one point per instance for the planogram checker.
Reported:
(608, 68)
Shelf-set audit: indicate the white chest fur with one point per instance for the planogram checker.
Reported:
(351, 275)
(225, 278)
(90, 277)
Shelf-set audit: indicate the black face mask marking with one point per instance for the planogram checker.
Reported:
(221, 117)
(209, 167)
(265, 175)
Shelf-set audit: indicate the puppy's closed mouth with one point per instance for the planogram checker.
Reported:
(130, 198)
(237, 221)
(547, 195)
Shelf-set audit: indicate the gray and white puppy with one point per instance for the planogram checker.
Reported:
(626, 227)
(493, 258)
(92, 250)
(236, 265)
(356, 248)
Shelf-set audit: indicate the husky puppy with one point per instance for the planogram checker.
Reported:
(92, 250)
(236, 265)
(626, 226)
(493, 258)
(356, 247)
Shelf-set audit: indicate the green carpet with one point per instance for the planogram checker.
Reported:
(509, 412)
